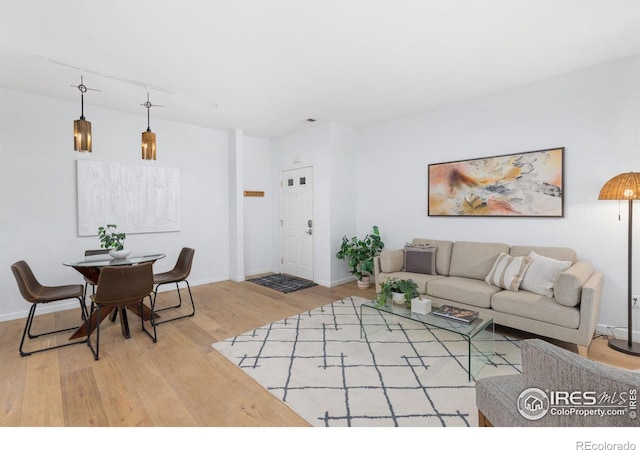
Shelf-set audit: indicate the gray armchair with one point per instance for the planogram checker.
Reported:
(559, 388)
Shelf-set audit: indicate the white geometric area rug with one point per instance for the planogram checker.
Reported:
(401, 375)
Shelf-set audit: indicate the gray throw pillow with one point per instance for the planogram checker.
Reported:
(420, 259)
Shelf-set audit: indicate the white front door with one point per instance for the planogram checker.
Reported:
(296, 220)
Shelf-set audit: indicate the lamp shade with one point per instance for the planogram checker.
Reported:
(82, 135)
(148, 145)
(625, 186)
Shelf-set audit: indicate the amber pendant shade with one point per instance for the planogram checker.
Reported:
(82, 135)
(148, 145)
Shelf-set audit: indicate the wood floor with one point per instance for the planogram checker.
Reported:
(180, 380)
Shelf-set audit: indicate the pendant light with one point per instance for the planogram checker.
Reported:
(148, 137)
(82, 127)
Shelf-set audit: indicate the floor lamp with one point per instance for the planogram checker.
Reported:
(625, 186)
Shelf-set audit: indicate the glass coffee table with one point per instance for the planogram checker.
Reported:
(478, 334)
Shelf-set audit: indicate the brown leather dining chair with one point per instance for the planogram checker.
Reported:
(87, 281)
(177, 275)
(37, 294)
(120, 287)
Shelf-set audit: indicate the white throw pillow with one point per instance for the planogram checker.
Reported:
(542, 274)
(507, 272)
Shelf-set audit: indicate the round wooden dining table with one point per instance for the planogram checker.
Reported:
(90, 267)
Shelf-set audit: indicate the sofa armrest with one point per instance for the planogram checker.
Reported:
(549, 367)
(376, 272)
(388, 261)
(590, 308)
(568, 286)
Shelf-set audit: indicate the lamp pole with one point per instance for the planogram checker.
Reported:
(629, 347)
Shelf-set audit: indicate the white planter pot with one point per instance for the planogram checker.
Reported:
(398, 298)
(119, 254)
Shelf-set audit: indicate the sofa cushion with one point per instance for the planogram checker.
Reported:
(536, 307)
(567, 289)
(542, 274)
(391, 260)
(463, 290)
(474, 259)
(443, 253)
(561, 253)
(420, 259)
(420, 279)
(508, 271)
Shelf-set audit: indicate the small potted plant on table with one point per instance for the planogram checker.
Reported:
(400, 290)
(113, 240)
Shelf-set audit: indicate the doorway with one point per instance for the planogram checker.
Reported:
(296, 222)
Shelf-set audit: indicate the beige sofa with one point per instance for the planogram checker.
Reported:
(568, 311)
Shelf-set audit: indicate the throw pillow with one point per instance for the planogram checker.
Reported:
(420, 259)
(507, 272)
(542, 274)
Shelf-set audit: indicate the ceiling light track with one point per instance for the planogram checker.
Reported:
(113, 77)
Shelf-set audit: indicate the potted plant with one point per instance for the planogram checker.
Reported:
(359, 254)
(113, 240)
(400, 290)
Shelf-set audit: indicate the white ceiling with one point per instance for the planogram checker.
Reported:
(266, 66)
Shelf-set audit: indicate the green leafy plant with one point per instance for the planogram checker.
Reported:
(407, 287)
(359, 253)
(110, 239)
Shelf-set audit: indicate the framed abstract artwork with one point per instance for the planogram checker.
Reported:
(139, 198)
(529, 184)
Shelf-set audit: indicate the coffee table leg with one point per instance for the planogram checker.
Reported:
(485, 349)
(361, 324)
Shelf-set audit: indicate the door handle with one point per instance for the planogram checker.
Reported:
(310, 231)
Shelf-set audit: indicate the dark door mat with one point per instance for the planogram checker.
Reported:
(283, 283)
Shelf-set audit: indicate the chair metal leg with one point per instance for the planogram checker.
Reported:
(96, 350)
(84, 296)
(27, 331)
(152, 319)
(193, 306)
(155, 294)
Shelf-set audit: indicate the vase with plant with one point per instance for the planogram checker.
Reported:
(113, 240)
(359, 254)
(398, 289)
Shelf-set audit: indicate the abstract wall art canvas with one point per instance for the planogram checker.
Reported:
(137, 198)
(529, 184)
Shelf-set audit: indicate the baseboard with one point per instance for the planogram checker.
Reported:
(341, 281)
(619, 332)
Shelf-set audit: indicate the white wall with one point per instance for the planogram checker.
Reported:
(593, 113)
(38, 217)
(344, 148)
(258, 176)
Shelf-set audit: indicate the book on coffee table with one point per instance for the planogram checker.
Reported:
(452, 312)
